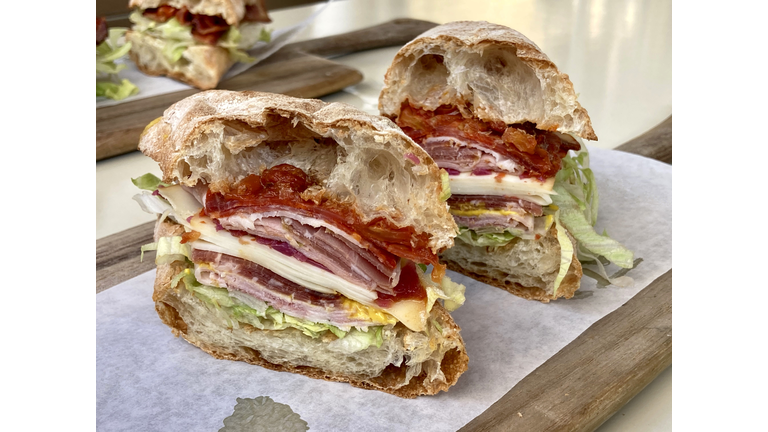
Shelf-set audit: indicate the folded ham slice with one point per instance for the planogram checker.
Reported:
(338, 253)
(233, 273)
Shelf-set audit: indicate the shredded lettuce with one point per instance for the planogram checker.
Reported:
(488, 239)
(116, 91)
(107, 52)
(110, 50)
(238, 40)
(178, 37)
(577, 200)
(231, 41)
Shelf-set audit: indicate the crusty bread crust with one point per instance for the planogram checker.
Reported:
(497, 70)
(231, 10)
(201, 65)
(371, 165)
(454, 362)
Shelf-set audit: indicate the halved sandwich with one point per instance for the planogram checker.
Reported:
(500, 118)
(295, 235)
(195, 42)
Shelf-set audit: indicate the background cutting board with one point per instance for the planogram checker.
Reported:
(298, 69)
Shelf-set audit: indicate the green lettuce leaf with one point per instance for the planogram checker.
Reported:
(231, 41)
(577, 203)
(116, 91)
(265, 35)
(110, 50)
(178, 37)
(148, 182)
(107, 52)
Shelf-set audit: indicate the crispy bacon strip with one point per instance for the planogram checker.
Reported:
(538, 152)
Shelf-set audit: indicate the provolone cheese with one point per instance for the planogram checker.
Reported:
(509, 185)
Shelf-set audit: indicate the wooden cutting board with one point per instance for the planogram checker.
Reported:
(297, 69)
(575, 390)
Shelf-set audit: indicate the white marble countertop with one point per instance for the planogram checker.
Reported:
(618, 55)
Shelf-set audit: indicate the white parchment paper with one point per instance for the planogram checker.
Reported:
(149, 380)
(156, 85)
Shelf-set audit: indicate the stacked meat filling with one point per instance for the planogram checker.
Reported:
(270, 209)
(233, 273)
(467, 144)
(467, 147)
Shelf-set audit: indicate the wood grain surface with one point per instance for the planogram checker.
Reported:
(297, 69)
(575, 390)
(655, 144)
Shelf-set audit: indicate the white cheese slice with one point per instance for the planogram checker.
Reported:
(528, 189)
(187, 209)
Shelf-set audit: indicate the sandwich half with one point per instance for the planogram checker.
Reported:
(195, 42)
(500, 118)
(295, 235)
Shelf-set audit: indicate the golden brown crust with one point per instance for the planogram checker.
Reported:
(568, 286)
(458, 37)
(454, 363)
